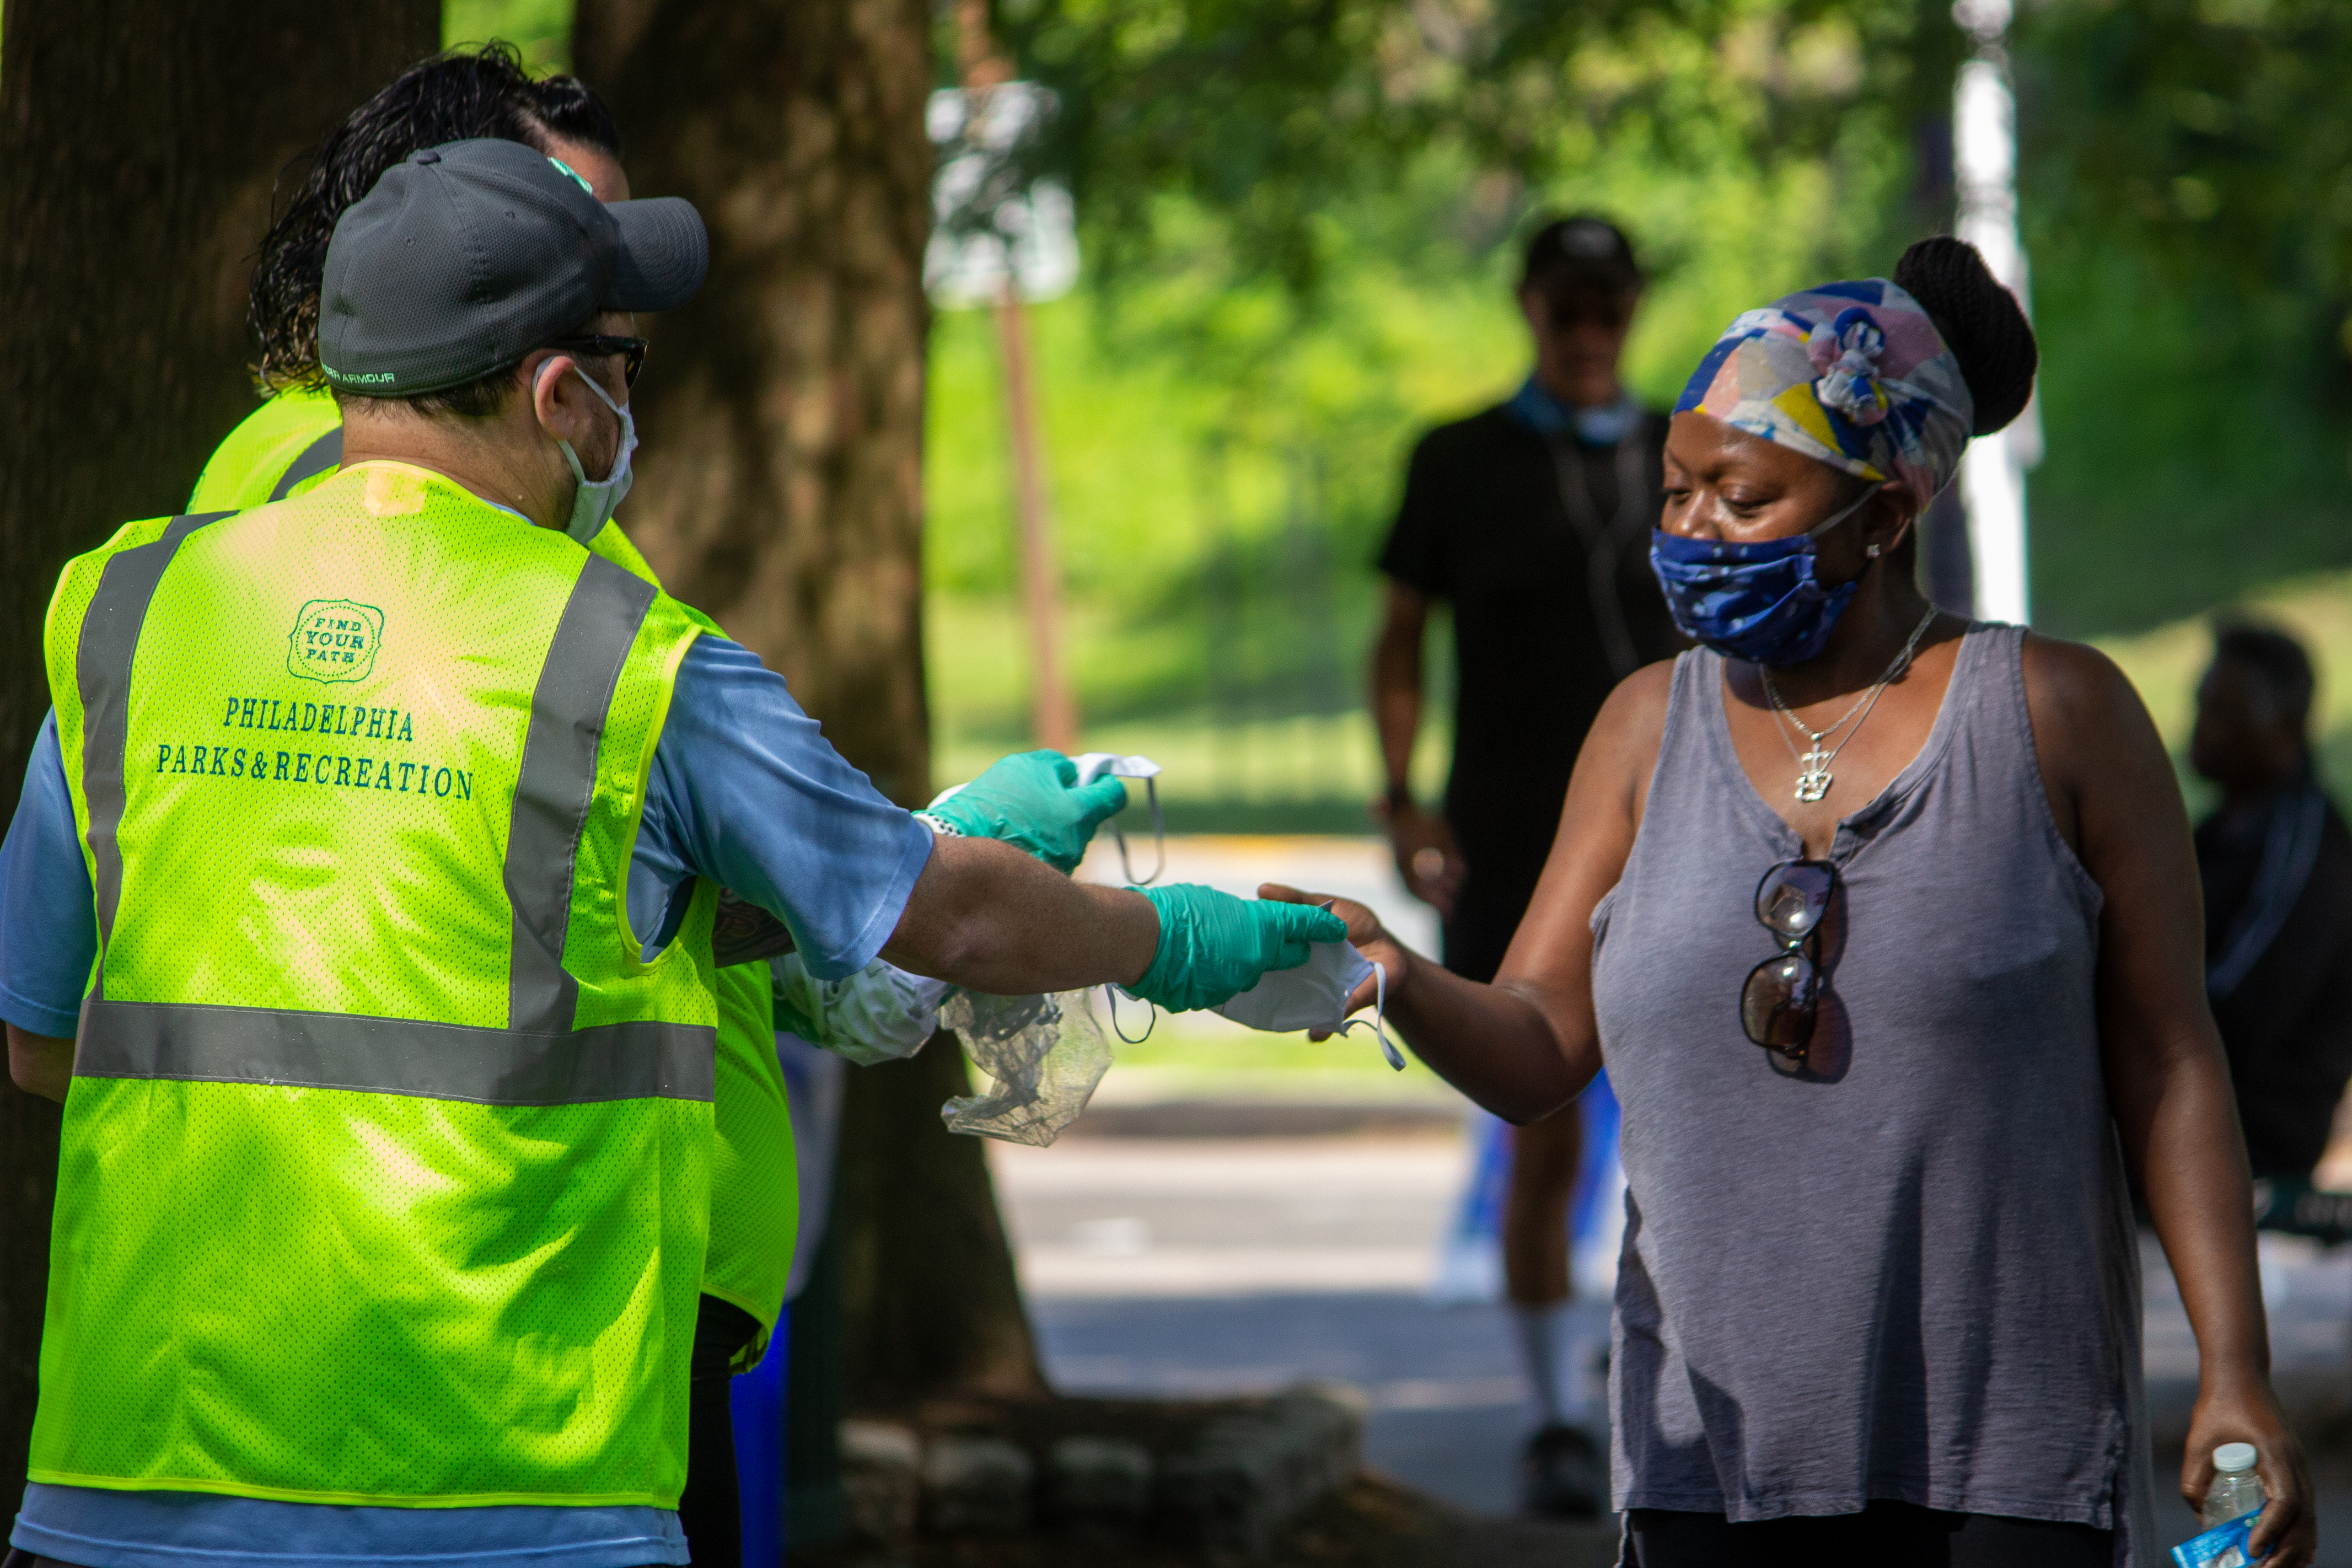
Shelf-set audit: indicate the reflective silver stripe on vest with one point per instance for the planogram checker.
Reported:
(539, 1059)
(110, 637)
(557, 781)
(317, 458)
(396, 1055)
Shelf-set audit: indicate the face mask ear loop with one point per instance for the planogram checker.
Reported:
(1110, 993)
(1379, 1018)
(579, 474)
(1158, 835)
(1159, 843)
(1860, 501)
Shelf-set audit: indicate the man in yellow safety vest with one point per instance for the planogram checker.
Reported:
(383, 1183)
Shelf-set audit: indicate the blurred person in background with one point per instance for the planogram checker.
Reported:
(1531, 521)
(2276, 864)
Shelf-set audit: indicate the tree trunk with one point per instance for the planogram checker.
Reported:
(783, 416)
(930, 1300)
(138, 146)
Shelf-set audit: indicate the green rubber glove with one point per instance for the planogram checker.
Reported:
(1033, 802)
(1214, 946)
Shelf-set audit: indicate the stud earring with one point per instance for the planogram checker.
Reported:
(1871, 551)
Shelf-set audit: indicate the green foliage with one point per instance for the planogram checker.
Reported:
(1299, 219)
(1273, 114)
(1270, 324)
(2193, 457)
(2212, 134)
(2186, 198)
(540, 28)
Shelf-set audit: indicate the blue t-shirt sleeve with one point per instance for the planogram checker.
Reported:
(48, 926)
(746, 791)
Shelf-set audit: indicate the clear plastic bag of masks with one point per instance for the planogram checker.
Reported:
(881, 1014)
(1048, 1054)
(1045, 1054)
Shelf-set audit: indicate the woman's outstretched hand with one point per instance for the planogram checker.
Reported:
(2287, 1536)
(1364, 931)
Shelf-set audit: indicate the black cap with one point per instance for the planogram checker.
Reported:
(1581, 252)
(470, 255)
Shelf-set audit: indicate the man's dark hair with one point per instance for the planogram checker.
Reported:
(2280, 667)
(1585, 253)
(465, 93)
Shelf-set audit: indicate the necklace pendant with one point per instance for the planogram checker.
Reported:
(1813, 783)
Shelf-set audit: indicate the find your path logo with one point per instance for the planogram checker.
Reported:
(335, 639)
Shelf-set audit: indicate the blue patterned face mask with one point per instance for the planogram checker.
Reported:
(1758, 602)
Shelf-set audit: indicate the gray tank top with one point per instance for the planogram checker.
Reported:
(1908, 1270)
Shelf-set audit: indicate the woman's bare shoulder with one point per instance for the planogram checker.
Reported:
(2099, 754)
(2078, 696)
(1636, 710)
(1621, 751)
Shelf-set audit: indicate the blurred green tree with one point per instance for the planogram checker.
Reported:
(1299, 218)
(2187, 191)
(1243, 166)
(1276, 115)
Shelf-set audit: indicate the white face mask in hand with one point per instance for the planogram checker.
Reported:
(1315, 996)
(595, 503)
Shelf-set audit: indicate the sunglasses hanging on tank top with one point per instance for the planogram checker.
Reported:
(1780, 1001)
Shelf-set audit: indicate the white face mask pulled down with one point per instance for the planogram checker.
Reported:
(1315, 996)
(593, 503)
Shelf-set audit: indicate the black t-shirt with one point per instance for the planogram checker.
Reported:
(2286, 1024)
(1485, 525)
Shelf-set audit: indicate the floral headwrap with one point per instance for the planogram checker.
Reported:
(1854, 374)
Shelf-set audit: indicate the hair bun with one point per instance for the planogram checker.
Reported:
(1982, 325)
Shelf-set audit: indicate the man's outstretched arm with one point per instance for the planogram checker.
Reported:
(987, 916)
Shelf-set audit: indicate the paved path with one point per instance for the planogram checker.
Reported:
(1193, 1266)
(1202, 1265)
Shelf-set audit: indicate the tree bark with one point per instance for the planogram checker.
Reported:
(930, 1304)
(784, 410)
(783, 413)
(138, 146)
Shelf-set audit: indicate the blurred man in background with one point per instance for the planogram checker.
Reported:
(2276, 863)
(1531, 520)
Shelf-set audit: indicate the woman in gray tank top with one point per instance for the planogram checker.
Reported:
(1879, 1297)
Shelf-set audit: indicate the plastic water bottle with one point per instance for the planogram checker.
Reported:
(2236, 1490)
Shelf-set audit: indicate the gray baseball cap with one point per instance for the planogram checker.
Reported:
(470, 255)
